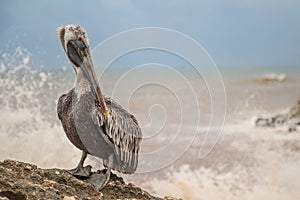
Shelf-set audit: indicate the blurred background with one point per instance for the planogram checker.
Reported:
(255, 45)
(235, 33)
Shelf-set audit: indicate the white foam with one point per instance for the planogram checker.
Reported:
(247, 163)
(26, 60)
(46, 148)
(274, 180)
(2, 68)
(274, 77)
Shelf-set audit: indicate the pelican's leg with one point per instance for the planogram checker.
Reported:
(100, 180)
(80, 171)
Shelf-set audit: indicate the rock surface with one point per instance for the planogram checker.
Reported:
(291, 119)
(26, 181)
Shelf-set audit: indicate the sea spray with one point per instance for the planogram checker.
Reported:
(247, 162)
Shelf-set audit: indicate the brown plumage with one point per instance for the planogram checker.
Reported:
(95, 124)
(120, 129)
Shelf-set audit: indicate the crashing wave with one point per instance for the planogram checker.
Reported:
(273, 77)
(28, 93)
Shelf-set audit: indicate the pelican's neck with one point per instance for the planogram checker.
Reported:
(82, 85)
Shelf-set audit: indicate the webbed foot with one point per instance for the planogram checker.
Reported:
(81, 172)
(99, 181)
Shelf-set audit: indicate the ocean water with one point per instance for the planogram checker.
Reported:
(174, 109)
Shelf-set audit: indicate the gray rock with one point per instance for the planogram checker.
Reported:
(291, 119)
(22, 181)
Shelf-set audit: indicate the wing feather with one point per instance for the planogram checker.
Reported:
(123, 130)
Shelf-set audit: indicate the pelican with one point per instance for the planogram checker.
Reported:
(94, 123)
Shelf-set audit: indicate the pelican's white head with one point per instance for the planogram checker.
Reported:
(72, 32)
(75, 42)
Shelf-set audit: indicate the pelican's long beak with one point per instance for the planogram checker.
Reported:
(80, 55)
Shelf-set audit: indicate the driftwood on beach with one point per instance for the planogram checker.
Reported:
(26, 181)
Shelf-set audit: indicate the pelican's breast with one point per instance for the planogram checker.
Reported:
(65, 114)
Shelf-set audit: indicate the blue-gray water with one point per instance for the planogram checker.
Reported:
(246, 163)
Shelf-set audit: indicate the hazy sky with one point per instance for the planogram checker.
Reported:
(234, 32)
